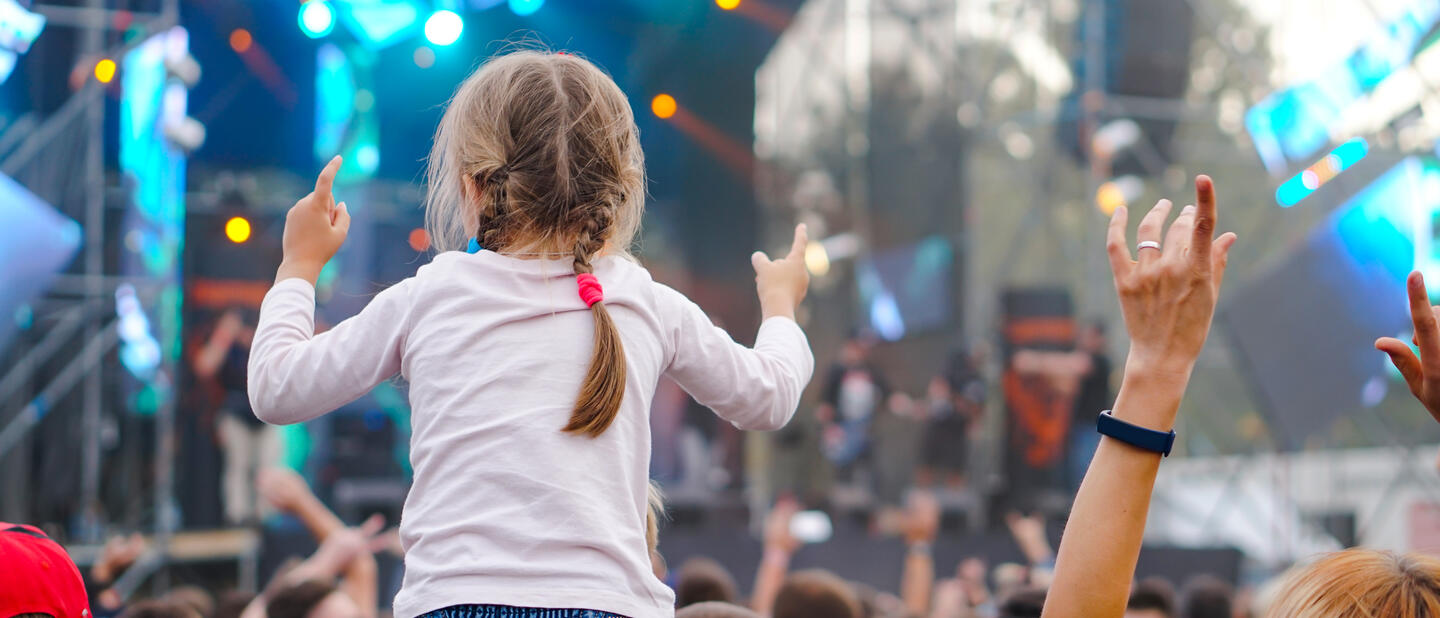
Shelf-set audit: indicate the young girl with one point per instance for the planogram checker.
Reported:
(532, 361)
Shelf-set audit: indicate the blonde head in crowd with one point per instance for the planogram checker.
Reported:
(538, 154)
(1360, 583)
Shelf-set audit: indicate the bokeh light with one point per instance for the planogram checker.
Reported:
(444, 27)
(240, 40)
(424, 57)
(317, 19)
(237, 229)
(727, 4)
(525, 7)
(419, 239)
(663, 105)
(105, 70)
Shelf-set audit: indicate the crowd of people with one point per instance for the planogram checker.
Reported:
(529, 501)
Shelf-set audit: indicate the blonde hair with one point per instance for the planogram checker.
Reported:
(1361, 583)
(539, 152)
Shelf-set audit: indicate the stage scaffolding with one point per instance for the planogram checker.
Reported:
(1025, 213)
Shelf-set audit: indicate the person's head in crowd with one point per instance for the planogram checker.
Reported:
(195, 598)
(37, 576)
(816, 594)
(1091, 337)
(715, 609)
(1009, 578)
(857, 347)
(232, 603)
(702, 580)
(311, 599)
(1361, 583)
(1206, 596)
(160, 608)
(1023, 603)
(1152, 597)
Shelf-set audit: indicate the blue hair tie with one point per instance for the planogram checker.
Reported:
(474, 246)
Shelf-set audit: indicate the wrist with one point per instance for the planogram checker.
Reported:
(776, 555)
(1150, 397)
(777, 306)
(296, 268)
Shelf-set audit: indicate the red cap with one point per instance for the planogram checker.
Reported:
(39, 577)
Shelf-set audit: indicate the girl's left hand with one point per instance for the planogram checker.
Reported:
(315, 228)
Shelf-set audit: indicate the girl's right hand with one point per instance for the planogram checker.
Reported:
(1421, 374)
(781, 283)
(315, 228)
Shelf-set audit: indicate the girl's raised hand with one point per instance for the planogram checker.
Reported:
(1422, 374)
(781, 283)
(315, 228)
(1168, 291)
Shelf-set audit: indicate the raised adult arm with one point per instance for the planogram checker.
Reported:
(1168, 299)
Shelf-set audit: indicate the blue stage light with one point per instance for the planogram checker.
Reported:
(317, 19)
(1301, 185)
(525, 7)
(444, 27)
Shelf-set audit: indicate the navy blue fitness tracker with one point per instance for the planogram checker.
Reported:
(1135, 435)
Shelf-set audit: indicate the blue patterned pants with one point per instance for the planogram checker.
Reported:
(506, 611)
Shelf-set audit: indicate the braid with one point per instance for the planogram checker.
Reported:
(489, 229)
(604, 386)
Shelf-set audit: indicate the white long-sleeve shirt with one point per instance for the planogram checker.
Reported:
(505, 507)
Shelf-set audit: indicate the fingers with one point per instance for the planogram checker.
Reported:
(797, 247)
(1427, 333)
(1149, 230)
(1117, 246)
(372, 525)
(341, 218)
(1405, 360)
(1205, 220)
(1177, 239)
(1220, 257)
(326, 181)
(759, 260)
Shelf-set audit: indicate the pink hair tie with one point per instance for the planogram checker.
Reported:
(590, 290)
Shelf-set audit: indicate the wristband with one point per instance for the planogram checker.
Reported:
(1139, 437)
(920, 548)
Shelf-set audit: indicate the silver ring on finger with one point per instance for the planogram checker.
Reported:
(1147, 244)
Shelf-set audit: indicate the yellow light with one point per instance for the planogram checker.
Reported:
(663, 105)
(817, 259)
(1109, 197)
(727, 4)
(105, 70)
(237, 229)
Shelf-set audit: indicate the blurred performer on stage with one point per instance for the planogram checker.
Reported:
(956, 402)
(1094, 394)
(249, 444)
(853, 393)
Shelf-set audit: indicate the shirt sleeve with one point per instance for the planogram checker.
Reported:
(296, 375)
(753, 388)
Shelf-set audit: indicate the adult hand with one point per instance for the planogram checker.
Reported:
(781, 284)
(777, 527)
(315, 228)
(283, 488)
(922, 518)
(345, 545)
(1168, 294)
(1422, 374)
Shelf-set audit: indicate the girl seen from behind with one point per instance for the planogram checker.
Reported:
(531, 356)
